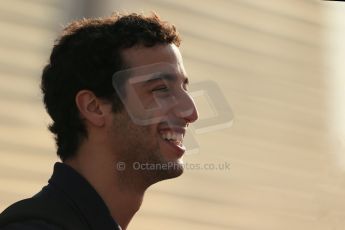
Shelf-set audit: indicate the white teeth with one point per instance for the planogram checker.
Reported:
(178, 137)
(169, 135)
(173, 137)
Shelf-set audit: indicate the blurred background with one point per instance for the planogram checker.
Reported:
(280, 66)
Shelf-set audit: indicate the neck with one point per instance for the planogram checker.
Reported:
(124, 206)
(122, 201)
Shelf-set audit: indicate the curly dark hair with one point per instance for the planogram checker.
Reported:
(85, 56)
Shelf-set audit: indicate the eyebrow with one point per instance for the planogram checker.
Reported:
(164, 76)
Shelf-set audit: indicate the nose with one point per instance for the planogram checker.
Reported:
(186, 108)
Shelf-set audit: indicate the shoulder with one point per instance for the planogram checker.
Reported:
(31, 225)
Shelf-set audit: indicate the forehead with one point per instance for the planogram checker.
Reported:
(141, 56)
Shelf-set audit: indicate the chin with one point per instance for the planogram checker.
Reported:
(174, 170)
(168, 175)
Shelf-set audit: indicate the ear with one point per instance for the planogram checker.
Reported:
(91, 108)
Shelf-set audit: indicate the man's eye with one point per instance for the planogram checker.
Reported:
(161, 89)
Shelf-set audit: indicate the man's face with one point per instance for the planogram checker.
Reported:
(158, 139)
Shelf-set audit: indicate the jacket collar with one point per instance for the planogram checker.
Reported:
(83, 196)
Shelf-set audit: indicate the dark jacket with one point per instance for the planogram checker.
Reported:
(68, 202)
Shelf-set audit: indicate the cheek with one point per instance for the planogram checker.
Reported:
(130, 132)
(139, 133)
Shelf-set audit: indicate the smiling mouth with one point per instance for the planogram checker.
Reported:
(173, 137)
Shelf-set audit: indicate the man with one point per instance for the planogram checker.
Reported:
(116, 90)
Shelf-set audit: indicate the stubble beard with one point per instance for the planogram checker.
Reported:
(140, 153)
